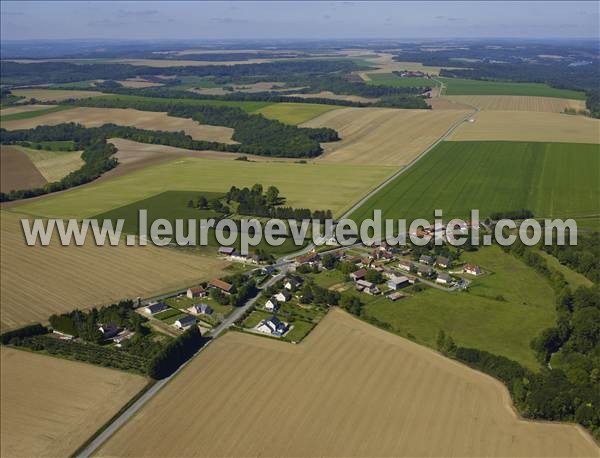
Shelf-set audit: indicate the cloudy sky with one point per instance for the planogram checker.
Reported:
(344, 19)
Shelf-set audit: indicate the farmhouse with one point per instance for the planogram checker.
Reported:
(239, 257)
(425, 271)
(426, 259)
(201, 309)
(358, 275)
(309, 258)
(272, 304)
(273, 326)
(406, 265)
(444, 278)
(472, 269)
(283, 296)
(367, 287)
(442, 262)
(396, 283)
(292, 283)
(226, 250)
(156, 307)
(222, 285)
(196, 291)
(185, 322)
(109, 330)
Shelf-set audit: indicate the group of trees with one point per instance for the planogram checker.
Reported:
(175, 353)
(582, 258)
(512, 214)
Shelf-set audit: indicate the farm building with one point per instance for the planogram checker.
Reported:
(396, 283)
(156, 307)
(472, 269)
(442, 262)
(109, 330)
(394, 296)
(201, 309)
(444, 278)
(272, 304)
(196, 291)
(222, 285)
(426, 259)
(358, 275)
(185, 322)
(239, 257)
(226, 250)
(283, 296)
(273, 326)
(406, 265)
(367, 287)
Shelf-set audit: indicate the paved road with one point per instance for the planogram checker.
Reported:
(282, 264)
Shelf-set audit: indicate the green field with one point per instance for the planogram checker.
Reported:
(390, 79)
(314, 186)
(461, 86)
(295, 113)
(502, 311)
(33, 114)
(189, 82)
(550, 179)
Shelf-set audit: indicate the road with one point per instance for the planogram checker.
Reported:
(282, 264)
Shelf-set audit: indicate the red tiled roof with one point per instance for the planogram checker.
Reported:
(221, 284)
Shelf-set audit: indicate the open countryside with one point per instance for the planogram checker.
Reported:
(519, 103)
(348, 375)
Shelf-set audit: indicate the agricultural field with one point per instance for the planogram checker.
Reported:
(51, 406)
(314, 186)
(519, 103)
(23, 109)
(6, 119)
(138, 83)
(51, 95)
(550, 179)
(38, 281)
(502, 311)
(462, 86)
(151, 120)
(346, 376)
(392, 80)
(295, 113)
(383, 135)
(17, 171)
(331, 95)
(529, 127)
(573, 278)
(54, 165)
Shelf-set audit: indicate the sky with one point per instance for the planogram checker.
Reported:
(22, 20)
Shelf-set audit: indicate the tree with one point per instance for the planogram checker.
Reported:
(202, 202)
(306, 294)
(272, 195)
(190, 203)
(373, 276)
(441, 340)
(351, 304)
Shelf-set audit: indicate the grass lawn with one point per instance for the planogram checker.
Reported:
(295, 113)
(167, 314)
(299, 331)
(33, 114)
(249, 107)
(314, 186)
(256, 317)
(574, 279)
(327, 278)
(500, 313)
(392, 80)
(461, 86)
(550, 179)
(183, 303)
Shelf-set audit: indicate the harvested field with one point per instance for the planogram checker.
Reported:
(529, 126)
(17, 171)
(23, 109)
(51, 95)
(38, 281)
(295, 113)
(331, 95)
(137, 83)
(518, 103)
(314, 186)
(383, 135)
(349, 389)
(54, 165)
(464, 86)
(163, 63)
(445, 103)
(93, 117)
(50, 406)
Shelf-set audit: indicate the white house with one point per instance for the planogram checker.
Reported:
(405, 265)
(196, 291)
(273, 326)
(291, 284)
(185, 322)
(444, 279)
(272, 304)
(283, 296)
(472, 269)
(442, 262)
(201, 309)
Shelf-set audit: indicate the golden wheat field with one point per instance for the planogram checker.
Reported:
(54, 165)
(93, 117)
(529, 126)
(50, 406)
(23, 109)
(383, 135)
(518, 103)
(38, 281)
(349, 389)
(51, 95)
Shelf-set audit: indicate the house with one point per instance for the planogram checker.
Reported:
(201, 309)
(366, 262)
(123, 336)
(185, 322)
(442, 262)
(222, 285)
(196, 291)
(425, 271)
(426, 259)
(308, 258)
(367, 287)
(291, 283)
(444, 278)
(396, 283)
(472, 269)
(273, 326)
(239, 257)
(406, 265)
(156, 307)
(358, 275)
(283, 296)
(272, 304)
(226, 250)
(109, 330)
